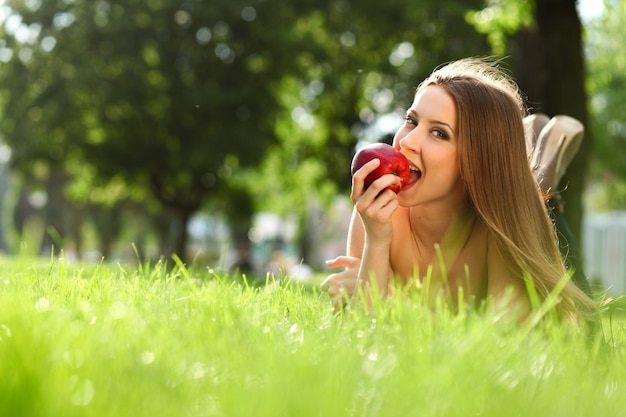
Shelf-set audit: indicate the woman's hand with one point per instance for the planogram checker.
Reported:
(342, 286)
(376, 204)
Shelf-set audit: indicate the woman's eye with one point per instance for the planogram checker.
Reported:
(410, 121)
(440, 134)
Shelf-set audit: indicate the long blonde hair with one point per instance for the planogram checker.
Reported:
(497, 175)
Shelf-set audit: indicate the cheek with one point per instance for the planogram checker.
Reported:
(455, 166)
(448, 162)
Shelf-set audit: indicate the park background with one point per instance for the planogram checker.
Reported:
(222, 131)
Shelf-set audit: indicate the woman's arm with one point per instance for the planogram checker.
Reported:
(374, 256)
(356, 236)
(344, 285)
(369, 237)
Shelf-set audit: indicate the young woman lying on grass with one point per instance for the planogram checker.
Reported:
(472, 211)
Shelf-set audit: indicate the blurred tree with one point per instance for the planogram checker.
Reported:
(607, 78)
(171, 97)
(32, 103)
(544, 41)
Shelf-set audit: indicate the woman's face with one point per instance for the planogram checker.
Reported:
(429, 139)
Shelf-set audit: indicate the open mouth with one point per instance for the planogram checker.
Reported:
(415, 175)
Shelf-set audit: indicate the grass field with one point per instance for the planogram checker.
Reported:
(106, 340)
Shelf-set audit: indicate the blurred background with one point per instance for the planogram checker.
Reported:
(222, 130)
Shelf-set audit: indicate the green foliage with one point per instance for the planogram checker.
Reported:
(105, 340)
(170, 98)
(500, 19)
(606, 65)
(608, 193)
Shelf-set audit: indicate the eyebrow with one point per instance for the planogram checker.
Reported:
(411, 112)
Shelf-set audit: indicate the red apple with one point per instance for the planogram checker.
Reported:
(391, 162)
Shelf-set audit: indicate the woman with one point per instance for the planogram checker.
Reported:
(471, 216)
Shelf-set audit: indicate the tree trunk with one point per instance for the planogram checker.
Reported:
(76, 228)
(55, 212)
(243, 263)
(181, 236)
(549, 67)
(560, 29)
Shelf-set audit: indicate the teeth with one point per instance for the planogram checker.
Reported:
(416, 169)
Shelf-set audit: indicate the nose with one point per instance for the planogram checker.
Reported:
(409, 142)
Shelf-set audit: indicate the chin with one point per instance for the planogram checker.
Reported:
(406, 201)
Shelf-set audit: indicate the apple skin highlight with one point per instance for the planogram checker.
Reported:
(392, 161)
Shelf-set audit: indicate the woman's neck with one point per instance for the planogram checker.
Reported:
(444, 226)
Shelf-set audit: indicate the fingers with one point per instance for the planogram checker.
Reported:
(331, 284)
(345, 280)
(344, 262)
(358, 178)
(340, 286)
(377, 208)
(378, 187)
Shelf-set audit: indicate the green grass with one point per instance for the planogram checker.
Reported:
(155, 341)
